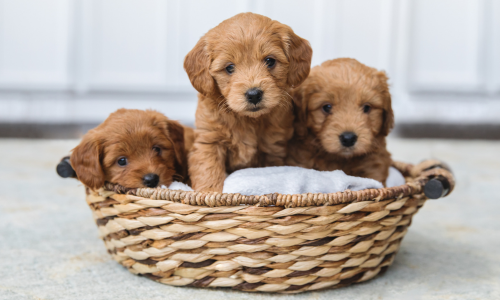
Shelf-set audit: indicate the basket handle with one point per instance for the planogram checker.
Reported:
(438, 178)
(437, 187)
(64, 168)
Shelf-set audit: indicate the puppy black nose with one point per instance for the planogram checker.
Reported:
(151, 180)
(254, 95)
(348, 139)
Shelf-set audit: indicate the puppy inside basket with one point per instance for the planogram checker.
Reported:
(132, 148)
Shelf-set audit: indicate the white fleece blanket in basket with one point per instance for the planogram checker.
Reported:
(178, 186)
(296, 180)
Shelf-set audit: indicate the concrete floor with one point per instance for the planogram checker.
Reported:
(49, 247)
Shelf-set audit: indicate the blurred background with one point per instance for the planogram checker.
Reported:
(66, 64)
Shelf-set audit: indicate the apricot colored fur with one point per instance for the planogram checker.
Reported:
(232, 133)
(347, 85)
(133, 134)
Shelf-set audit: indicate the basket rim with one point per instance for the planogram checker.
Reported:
(416, 177)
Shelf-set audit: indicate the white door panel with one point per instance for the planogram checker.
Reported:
(364, 31)
(493, 51)
(128, 46)
(446, 49)
(35, 44)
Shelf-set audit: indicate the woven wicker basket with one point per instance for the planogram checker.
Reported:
(272, 243)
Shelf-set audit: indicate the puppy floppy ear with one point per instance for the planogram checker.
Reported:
(299, 54)
(197, 66)
(388, 115)
(86, 161)
(388, 121)
(176, 137)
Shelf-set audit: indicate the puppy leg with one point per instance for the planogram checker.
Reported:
(375, 166)
(207, 167)
(274, 144)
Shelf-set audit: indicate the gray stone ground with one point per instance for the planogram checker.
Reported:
(49, 247)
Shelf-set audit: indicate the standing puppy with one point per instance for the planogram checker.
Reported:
(343, 114)
(243, 70)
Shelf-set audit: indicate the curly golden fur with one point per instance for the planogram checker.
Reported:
(245, 52)
(149, 141)
(343, 96)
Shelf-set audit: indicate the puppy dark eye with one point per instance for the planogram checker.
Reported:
(327, 108)
(122, 161)
(367, 108)
(270, 62)
(157, 150)
(230, 69)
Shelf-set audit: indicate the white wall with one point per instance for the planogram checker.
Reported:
(78, 60)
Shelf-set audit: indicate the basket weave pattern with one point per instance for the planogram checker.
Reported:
(271, 243)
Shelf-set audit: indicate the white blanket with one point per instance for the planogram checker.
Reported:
(395, 178)
(295, 180)
(178, 186)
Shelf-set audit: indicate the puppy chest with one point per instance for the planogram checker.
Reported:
(242, 153)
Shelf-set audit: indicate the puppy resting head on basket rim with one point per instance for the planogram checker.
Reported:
(343, 114)
(133, 148)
